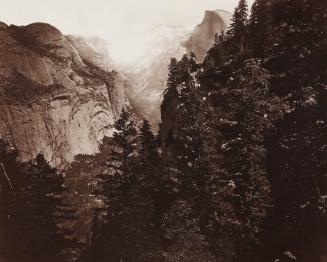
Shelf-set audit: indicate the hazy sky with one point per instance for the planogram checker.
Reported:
(109, 19)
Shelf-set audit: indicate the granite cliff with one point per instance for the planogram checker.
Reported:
(203, 36)
(54, 99)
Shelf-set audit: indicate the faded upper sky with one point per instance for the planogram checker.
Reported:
(106, 18)
(109, 19)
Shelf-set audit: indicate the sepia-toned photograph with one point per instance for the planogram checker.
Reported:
(163, 131)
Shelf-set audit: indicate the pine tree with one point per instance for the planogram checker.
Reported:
(124, 136)
(237, 31)
(10, 174)
(260, 28)
(217, 55)
(128, 187)
(150, 185)
(172, 81)
(194, 63)
(34, 206)
(44, 208)
(254, 112)
(217, 216)
(116, 190)
(185, 241)
(149, 154)
(159, 135)
(233, 159)
(188, 139)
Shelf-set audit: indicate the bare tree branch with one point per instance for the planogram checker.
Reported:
(7, 177)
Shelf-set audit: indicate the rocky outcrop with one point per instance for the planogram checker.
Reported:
(54, 99)
(203, 36)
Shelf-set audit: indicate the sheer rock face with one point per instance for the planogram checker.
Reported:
(203, 36)
(52, 99)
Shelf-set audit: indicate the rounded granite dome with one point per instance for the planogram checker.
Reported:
(225, 15)
(203, 36)
(44, 33)
(3, 25)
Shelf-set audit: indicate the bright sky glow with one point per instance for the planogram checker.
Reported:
(112, 20)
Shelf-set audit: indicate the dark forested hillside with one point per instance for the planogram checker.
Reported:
(236, 173)
(34, 211)
(241, 170)
(259, 109)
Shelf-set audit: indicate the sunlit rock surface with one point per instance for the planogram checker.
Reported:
(203, 36)
(54, 99)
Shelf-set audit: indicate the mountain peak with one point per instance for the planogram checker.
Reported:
(3, 25)
(217, 13)
(203, 36)
(45, 33)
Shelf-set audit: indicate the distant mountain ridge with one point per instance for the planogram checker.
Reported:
(148, 74)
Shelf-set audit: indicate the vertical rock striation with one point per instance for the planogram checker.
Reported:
(53, 99)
